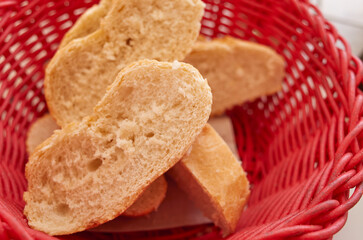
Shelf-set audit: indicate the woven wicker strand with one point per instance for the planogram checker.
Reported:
(302, 147)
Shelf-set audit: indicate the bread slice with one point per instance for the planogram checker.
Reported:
(39, 131)
(148, 201)
(91, 171)
(78, 75)
(237, 71)
(214, 179)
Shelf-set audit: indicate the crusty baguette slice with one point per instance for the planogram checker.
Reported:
(237, 71)
(91, 171)
(78, 75)
(148, 201)
(214, 179)
(39, 131)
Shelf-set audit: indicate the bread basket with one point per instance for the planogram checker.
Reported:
(302, 147)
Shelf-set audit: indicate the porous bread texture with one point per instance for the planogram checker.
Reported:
(39, 131)
(213, 178)
(79, 73)
(148, 201)
(90, 172)
(237, 71)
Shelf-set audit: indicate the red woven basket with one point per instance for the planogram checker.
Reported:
(302, 147)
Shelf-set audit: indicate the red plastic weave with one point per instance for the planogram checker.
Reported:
(302, 147)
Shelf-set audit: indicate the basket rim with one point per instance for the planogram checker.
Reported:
(354, 64)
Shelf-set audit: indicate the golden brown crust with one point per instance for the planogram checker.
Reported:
(213, 178)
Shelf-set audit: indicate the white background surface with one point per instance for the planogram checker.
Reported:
(347, 16)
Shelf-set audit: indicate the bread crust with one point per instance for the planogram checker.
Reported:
(90, 172)
(213, 178)
(237, 71)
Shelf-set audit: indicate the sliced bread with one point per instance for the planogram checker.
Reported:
(79, 73)
(148, 201)
(237, 71)
(214, 179)
(91, 171)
